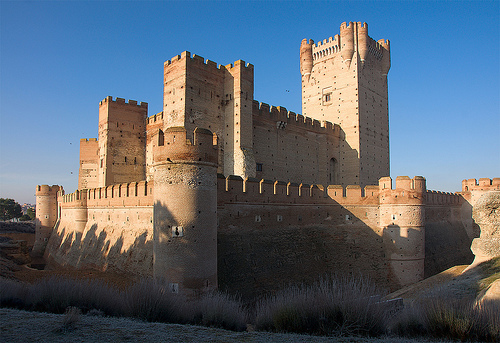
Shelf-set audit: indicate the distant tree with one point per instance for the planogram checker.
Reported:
(9, 209)
(31, 213)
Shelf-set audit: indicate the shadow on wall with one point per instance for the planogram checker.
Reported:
(269, 255)
(449, 232)
(95, 249)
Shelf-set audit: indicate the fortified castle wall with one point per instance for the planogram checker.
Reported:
(221, 191)
(105, 228)
(269, 233)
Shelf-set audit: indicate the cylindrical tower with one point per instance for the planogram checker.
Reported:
(347, 42)
(185, 211)
(402, 217)
(362, 41)
(386, 55)
(46, 216)
(306, 59)
(74, 211)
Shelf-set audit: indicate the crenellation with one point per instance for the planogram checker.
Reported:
(266, 187)
(122, 101)
(211, 64)
(353, 192)
(304, 190)
(484, 184)
(292, 189)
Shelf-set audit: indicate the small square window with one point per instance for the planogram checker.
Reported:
(259, 167)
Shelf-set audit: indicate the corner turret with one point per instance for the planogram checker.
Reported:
(306, 59)
(362, 41)
(386, 55)
(46, 216)
(347, 42)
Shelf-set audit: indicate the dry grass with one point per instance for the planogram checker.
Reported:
(70, 319)
(330, 307)
(463, 320)
(147, 300)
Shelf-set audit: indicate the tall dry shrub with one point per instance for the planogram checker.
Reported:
(12, 293)
(339, 306)
(463, 320)
(216, 309)
(55, 294)
(150, 300)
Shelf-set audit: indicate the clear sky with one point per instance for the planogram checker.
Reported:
(60, 58)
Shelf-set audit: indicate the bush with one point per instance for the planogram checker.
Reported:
(331, 306)
(147, 299)
(444, 318)
(221, 310)
(12, 293)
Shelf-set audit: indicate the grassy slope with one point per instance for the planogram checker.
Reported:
(457, 282)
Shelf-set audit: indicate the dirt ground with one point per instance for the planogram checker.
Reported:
(22, 326)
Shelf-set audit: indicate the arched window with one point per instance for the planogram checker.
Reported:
(332, 178)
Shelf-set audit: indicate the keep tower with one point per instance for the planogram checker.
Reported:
(344, 81)
(121, 155)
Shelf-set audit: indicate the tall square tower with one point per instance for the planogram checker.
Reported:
(344, 81)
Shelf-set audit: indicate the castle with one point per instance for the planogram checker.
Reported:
(218, 190)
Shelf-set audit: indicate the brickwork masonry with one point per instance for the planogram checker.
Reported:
(221, 191)
(396, 235)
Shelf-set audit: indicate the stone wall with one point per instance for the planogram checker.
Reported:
(107, 228)
(447, 233)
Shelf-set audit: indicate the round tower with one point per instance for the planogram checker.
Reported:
(362, 41)
(306, 59)
(46, 216)
(386, 55)
(402, 218)
(74, 210)
(185, 210)
(347, 42)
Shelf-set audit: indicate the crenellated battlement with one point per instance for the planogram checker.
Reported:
(200, 61)
(124, 194)
(236, 189)
(47, 190)
(281, 114)
(154, 118)
(326, 47)
(76, 199)
(121, 101)
(484, 184)
(345, 44)
(442, 198)
(174, 146)
(406, 190)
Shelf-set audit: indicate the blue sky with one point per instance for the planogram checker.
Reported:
(58, 59)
